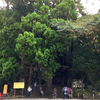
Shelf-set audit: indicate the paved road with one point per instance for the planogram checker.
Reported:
(44, 99)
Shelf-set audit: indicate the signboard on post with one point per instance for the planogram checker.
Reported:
(5, 89)
(18, 85)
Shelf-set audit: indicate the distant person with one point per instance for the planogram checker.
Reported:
(69, 91)
(40, 92)
(65, 93)
(35, 84)
(29, 90)
(54, 93)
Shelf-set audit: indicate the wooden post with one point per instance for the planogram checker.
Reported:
(71, 93)
(14, 92)
(22, 92)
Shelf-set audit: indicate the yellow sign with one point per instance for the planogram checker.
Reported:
(18, 85)
(5, 89)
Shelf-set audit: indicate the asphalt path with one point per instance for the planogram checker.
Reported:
(43, 99)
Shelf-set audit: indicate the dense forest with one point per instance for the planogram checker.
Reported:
(46, 41)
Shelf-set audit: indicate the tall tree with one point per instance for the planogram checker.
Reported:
(25, 46)
(47, 45)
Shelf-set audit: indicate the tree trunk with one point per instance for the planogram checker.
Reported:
(23, 69)
(30, 73)
(62, 81)
(23, 62)
(40, 76)
(49, 86)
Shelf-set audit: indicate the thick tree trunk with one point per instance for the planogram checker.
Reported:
(23, 62)
(30, 73)
(69, 81)
(40, 76)
(49, 86)
(23, 69)
(62, 81)
(72, 49)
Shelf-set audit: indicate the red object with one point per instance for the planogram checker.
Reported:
(0, 94)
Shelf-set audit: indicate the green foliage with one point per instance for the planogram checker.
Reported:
(21, 8)
(84, 25)
(7, 39)
(46, 56)
(50, 3)
(8, 32)
(1, 19)
(43, 10)
(25, 44)
(5, 18)
(87, 62)
(44, 34)
(85, 54)
(84, 59)
(47, 46)
(80, 91)
(65, 10)
(9, 69)
(44, 14)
